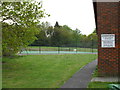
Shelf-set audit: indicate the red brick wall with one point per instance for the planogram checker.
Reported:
(119, 40)
(107, 23)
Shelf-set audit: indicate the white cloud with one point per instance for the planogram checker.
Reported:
(74, 13)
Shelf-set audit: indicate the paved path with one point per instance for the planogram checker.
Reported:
(105, 79)
(82, 77)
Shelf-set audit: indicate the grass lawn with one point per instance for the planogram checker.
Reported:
(0, 72)
(42, 71)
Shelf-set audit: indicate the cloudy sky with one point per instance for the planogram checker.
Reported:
(74, 13)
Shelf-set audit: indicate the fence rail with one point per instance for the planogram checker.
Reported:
(48, 49)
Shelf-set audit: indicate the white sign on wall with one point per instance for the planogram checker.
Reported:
(107, 40)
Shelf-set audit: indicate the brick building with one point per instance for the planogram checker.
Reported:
(107, 15)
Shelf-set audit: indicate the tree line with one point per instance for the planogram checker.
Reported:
(21, 26)
(63, 36)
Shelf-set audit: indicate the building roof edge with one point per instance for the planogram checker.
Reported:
(106, 0)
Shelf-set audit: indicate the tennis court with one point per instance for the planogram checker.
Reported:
(55, 52)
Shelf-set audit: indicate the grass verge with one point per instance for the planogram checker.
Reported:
(100, 85)
(42, 71)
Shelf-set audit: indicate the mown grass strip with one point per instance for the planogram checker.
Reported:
(42, 71)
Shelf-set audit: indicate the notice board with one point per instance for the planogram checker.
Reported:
(107, 40)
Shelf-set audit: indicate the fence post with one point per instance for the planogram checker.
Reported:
(39, 49)
(76, 49)
(58, 50)
(69, 49)
(26, 51)
(92, 45)
(76, 45)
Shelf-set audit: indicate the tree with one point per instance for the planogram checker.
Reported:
(62, 36)
(56, 24)
(47, 28)
(93, 38)
(19, 24)
(44, 36)
(57, 36)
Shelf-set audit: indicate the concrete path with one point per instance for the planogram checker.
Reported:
(81, 78)
(106, 79)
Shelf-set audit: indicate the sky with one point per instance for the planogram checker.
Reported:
(74, 13)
